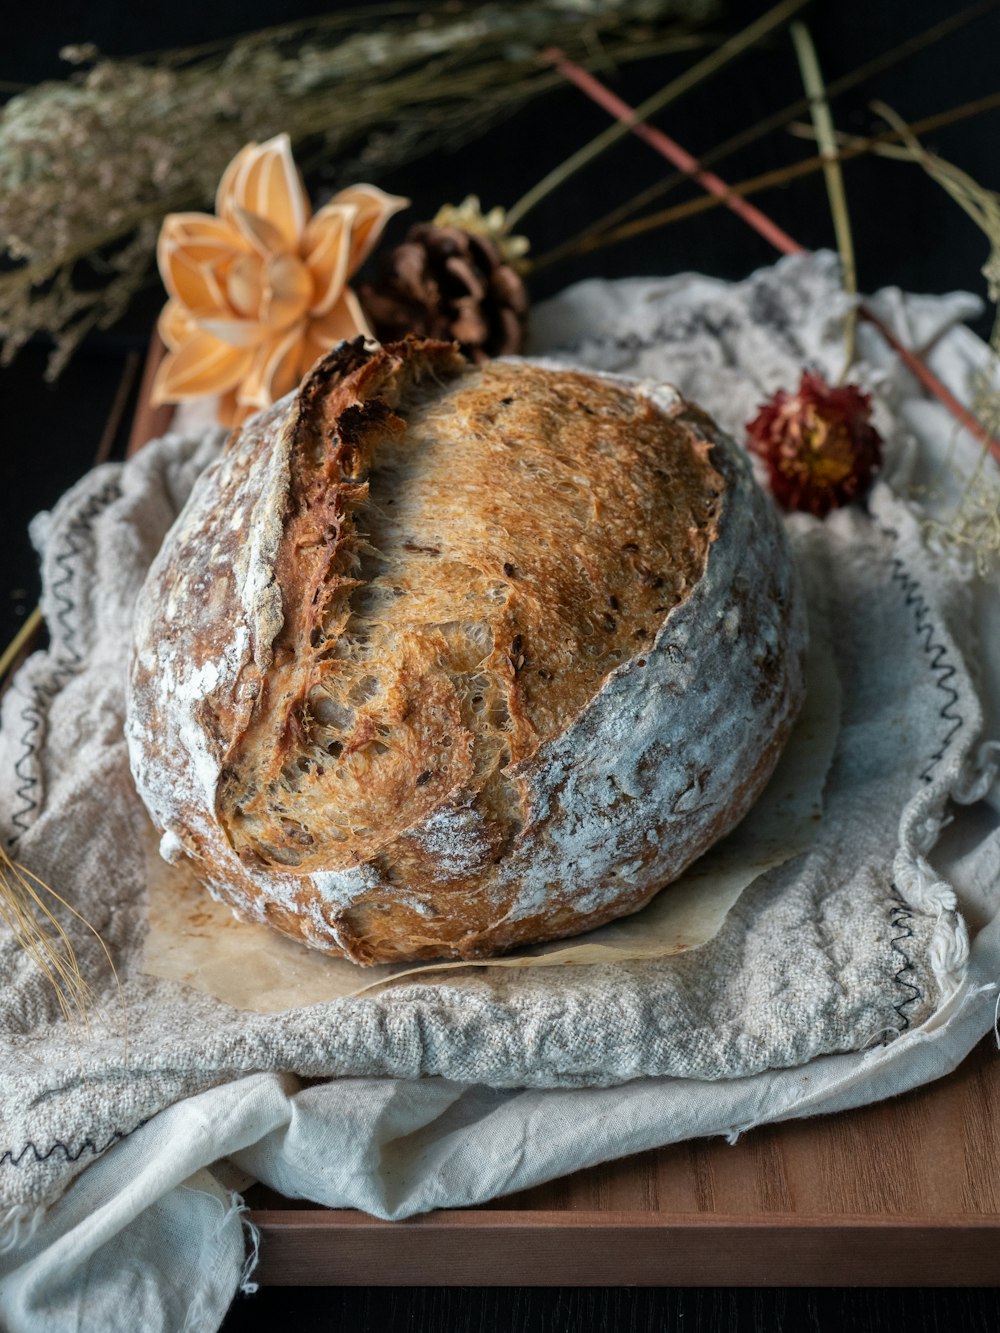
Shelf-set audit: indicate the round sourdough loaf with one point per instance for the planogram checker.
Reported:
(440, 659)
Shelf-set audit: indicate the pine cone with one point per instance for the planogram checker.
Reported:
(443, 282)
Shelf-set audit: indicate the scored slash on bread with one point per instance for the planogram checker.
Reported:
(440, 659)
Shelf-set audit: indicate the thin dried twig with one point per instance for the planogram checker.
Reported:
(777, 120)
(673, 152)
(704, 69)
(20, 641)
(779, 176)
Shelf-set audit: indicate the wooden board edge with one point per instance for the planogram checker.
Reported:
(486, 1218)
(507, 1248)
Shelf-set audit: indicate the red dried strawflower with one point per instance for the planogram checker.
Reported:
(819, 445)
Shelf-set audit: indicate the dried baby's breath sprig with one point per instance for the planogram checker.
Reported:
(43, 938)
(973, 526)
(89, 166)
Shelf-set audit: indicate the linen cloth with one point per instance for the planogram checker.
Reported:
(841, 977)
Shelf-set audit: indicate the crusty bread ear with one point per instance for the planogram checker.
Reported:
(422, 670)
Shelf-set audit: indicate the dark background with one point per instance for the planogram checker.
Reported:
(907, 233)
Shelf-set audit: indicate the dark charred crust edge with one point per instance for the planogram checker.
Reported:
(362, 360)
(333, 428)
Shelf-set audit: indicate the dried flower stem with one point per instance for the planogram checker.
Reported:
(671, 150)
(921, 371)
(982, 206)
(119, 403)
(779, 176)
(812, 80)
(704, 69)
(777, 120)
(720, 193)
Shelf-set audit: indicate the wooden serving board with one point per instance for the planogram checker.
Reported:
(902, 1193)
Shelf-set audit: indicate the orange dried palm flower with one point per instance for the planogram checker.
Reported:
(259, 290)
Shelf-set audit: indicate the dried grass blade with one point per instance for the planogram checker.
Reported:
(981, 204)
(826, 138)
(48, 945)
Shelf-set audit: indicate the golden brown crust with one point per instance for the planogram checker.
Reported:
(463, 571)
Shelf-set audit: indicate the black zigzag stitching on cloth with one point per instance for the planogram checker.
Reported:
(76, 535)
(26, 783)
(73, 542)
(900, 917)
(936, 651)
(943, 672)
(10, 1158)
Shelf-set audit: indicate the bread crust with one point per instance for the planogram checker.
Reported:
(438, 661)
